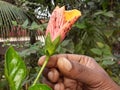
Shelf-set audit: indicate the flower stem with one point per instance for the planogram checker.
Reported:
(41, 70)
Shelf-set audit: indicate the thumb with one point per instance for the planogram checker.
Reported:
(76, 71)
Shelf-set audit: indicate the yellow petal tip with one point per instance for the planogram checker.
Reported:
(72, 14)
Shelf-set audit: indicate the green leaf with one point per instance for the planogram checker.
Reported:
(81, 25)
(68, 45)
(25, 24)
(108, 62)
(34, 26)
(100, 44)
(48, 45)
(108, 33)
(100, 12)
(39, 87)
(109, 14)
(15, 69)
(107, 52)
(56, 42)
(14, 23)
(96, 51)
(65, 42)
(105, 4)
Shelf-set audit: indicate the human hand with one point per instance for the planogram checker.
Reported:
(76, 72)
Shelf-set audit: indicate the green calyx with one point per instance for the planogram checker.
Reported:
(51, 46)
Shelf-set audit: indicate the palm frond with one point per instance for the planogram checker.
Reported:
(9, 13)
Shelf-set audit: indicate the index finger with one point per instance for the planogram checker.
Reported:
(53, 59)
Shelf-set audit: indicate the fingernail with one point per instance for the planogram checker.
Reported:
(53, 75)
(41, 60)
(59, 86)
(65, 63)
(67, 89)
(50, 75)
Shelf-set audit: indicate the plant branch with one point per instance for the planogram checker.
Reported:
(41, 70)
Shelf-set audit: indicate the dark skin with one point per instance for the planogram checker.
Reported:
(76, 72)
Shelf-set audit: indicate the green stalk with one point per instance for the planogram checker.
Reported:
(41, 70)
